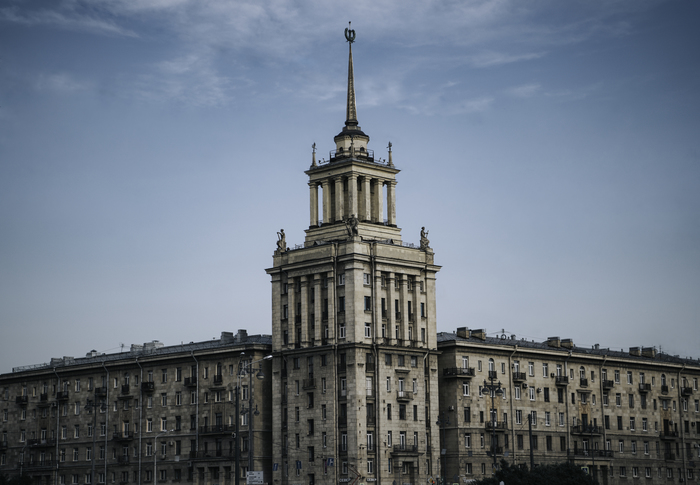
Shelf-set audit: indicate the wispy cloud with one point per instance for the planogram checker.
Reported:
(61, 83)
(524, 91)
(488, 59)
(65, 20)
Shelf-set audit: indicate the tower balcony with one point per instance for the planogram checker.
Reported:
(362, 154)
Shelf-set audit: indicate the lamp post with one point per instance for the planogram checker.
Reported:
(155, 453)
(248, 369)
(442, 422)
(92, 406)
(493, 389)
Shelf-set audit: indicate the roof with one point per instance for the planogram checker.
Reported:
(446, 337)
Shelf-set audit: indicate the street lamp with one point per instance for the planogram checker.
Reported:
(442, 422)
(243, 370)
(155, 453)
(493, 389)
(92, 406)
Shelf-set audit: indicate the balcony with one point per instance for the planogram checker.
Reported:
(45, 443)
(499, 451)
(561, 380)
(404, 396)
(342, 367)
(493, 374)
(342, 421)
(583, 382)
(22, 400)
(45, 463)
(592, 453)
(644, 387)
(123, 460)
(126, 389)
(369, 367)
(218, 379)
(668, 456)
(191, 381)
(664, 389)
(217, 429)
(406, 449)
(463, 372)
(686, 391)
(607, 385)
(497, 425)
(4, 445)
(101, 392)
(43, 398)
(309, 383)
(668, 435)
(62, 396)
(148, 386)
(519, 376)
(123, 436)
(586, 430)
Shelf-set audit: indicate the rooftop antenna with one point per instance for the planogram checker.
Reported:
(121, 345)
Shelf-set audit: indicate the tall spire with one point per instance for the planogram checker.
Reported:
(351, 109)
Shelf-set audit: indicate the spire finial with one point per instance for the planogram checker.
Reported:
(351, 110)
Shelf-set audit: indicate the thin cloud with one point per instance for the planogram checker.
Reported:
(61, 83)
(489, 59)
(524, 91)
(68, 21)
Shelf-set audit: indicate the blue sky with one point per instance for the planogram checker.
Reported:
(150, 150)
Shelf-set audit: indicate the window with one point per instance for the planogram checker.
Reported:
(532, 393)
(368, 303)
(621, 444)
(465, 388)
(531, 368)
(617, 377)
(368, 330)
(341, 332)
(618, 399)
(164, 399)
(545, 370)
(518, 416)
(367, 279)
(341, 279)
(546, 418)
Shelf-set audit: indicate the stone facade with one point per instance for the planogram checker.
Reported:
(175, 405)
(624, 415)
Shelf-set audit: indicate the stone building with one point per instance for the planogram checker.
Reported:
(623, 415)
(354, 330)
(164, 410)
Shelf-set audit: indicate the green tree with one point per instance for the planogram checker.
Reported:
(557, 474)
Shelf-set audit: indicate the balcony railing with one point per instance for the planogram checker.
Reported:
(23, 400)
(309, 383)
(458, 372)
(668, 435)
(586, 429)
(405, 448)
(589, 453)
(40, 463)
(493, 374)
(190, 381)
(217, 429)
(62, 396)
(664, 389)
(686, 391)
(218, 379)
(583, 382)
(498, 425)
(126, 388)
(668, 456)
(404, 396)
(519, 376)
(607, 385)
(101, 391)
(369, 367)
(123, 436)
(123, 460)
(148, 386)
(644, 387)
(42, 443)
(561, 380)
(212, 454)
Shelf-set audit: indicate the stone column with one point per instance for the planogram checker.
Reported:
(367, 201)
(304, 311)
(327, 218)
(418, 322)
(378, 209)
(318, 309)
(313, 204)
(391, 202)
(339, 199)
(330, 279)
(352, 195)
(378, 308)
(404, 306)
(390, 315)
(291, 311)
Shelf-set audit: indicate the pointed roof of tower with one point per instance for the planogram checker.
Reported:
(351, 124)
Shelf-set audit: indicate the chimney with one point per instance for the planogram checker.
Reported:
(567, 343)
(463, 332)
(226, 337)
(636, 351)
(479, 333)
(136, 348)
(649, 352)
(554, 342)
(241, 336)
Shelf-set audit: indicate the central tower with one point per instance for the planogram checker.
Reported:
(354, 330)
